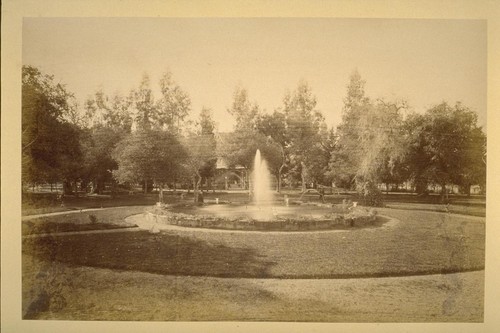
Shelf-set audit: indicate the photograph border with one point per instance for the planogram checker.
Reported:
(12, 16)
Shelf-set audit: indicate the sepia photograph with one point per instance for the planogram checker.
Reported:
(314, 170)
(253, 169)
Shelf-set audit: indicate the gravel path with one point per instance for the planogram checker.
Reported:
(31, 217)
(68, 233)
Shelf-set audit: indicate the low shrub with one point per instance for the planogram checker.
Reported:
(93, 219)
(359, 216)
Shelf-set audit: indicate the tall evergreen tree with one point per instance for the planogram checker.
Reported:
(304, 125)
(173, 106)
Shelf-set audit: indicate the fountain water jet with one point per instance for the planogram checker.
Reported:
(261, 189)
(261, 180)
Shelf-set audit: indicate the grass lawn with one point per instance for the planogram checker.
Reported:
(194, 275)
(40, 204)
(33, 204)
(422, 243)
(87, 293)
(112, 218)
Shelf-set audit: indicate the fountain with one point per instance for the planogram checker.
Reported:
(261, 190)
(262, 212)
(261, 181)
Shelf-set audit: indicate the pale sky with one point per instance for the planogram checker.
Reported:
(422, 61)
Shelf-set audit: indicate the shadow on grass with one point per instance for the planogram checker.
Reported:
(154, 253)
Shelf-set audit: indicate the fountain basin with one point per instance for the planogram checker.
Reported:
(268, 218)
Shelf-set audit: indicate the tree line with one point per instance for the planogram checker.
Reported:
(148, 139)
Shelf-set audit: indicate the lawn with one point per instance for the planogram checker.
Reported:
(111, 218)
(34, 203)
(46, 203)
(380, 273)
(86, 293)
(421, 243)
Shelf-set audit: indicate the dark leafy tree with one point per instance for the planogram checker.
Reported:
(239, 149)
(206, 124)
(201, 151)
(446, 147)
(274, 126)
(200, 156)
(148, 155)
(97, 146)
(108, 121)
(304, 124)
(50, 143)
(207, 127)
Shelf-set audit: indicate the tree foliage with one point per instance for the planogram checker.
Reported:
(304, 126)
(446, 147)
(173, 106)
(144, 105)
(50, 145)
(274, 126)
(245, 112)
(103, 111)
(97, 145)
(370, 141)
(146, 138)
(148, 155)
(200, 157)
(201, 151)
(239, 149)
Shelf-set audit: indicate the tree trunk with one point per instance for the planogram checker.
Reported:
(467, 189)
(279, 177)
(99, 186)
(195, 190)
(303, 177)
(113, 189)
(196, 187)
(443, 192)
(67, 188)
(160, 194)
(211, 183)
(281, 168)
(420, 186)
(145, 186)
(245, 177)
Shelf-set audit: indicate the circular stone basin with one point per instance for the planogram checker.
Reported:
(265, 218)
(266, 213)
